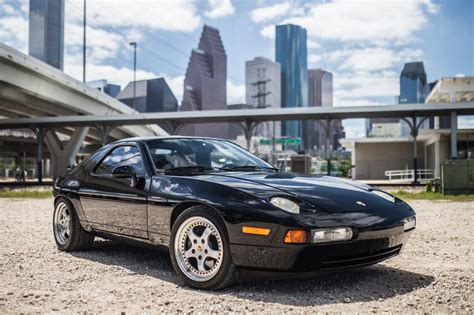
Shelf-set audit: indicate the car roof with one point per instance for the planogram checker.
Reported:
(165, 137)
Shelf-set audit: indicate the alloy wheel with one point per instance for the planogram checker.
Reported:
(62, 223)
(198, 249)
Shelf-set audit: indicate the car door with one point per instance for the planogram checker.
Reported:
(116, 204)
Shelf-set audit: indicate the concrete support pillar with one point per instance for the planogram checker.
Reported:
(437, 170)
(39, 154)
(327, 129)
(64, 155)
(104, 134)
(454, 138)
(248, 128)
(415, 161)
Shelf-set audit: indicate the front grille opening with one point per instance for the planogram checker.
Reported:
(315, 258)
(363, 259)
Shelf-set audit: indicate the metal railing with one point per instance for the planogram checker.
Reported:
(409, 174)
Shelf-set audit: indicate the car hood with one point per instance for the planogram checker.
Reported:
(326, 193)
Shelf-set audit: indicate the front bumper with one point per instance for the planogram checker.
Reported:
(366, 248)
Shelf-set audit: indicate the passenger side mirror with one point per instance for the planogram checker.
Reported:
(124, 172)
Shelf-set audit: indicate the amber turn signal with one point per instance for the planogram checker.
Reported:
(295, 237)
(255, 230)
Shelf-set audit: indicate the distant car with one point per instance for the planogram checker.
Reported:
(220, 209)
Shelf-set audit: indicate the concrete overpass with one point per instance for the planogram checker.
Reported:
(250, 118)
(31, 88)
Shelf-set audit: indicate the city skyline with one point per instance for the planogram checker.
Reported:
(365, 63)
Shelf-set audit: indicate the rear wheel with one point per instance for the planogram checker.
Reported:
(68, 232)
(199, 249)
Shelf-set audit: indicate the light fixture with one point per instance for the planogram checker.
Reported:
(409, 223)
(331, 234)
(285, 204)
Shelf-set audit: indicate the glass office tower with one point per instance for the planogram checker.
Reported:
(46, 36)
(413, 89)
(412, 83)
(291, 53)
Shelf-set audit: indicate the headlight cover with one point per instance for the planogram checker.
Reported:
(409, 223)
(285, 204)
(384, 195)
(331, 234)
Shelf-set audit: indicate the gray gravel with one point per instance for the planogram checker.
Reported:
(435, 273)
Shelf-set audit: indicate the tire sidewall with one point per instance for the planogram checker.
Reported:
(72, 212)
(218, 280)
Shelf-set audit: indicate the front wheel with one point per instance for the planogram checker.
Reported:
(199, 250)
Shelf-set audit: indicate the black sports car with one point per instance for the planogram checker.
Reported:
(224, 212)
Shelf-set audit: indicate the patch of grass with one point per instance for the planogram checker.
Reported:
(405, 195)
(35, 194)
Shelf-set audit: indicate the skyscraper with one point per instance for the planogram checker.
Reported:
(46, 31)
(205, 83)
(263, 89)
(106, 87)
(412, 83)
(320, 94)
(291, 53)
(151, 96)
(320, 88)
(413, 89)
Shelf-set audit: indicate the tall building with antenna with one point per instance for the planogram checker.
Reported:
(262, 90)
(46, 31)
(205, 83)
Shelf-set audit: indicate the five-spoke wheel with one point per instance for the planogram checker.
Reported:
(200, 251)
(68, 232)
(62, 223)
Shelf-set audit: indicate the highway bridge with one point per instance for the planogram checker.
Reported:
(31, 88)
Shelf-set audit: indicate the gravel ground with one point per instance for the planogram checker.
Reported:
(435, 273)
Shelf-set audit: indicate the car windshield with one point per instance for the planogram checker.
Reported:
(203, 154)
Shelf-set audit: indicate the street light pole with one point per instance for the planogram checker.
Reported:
(134, 44)
(84, 47)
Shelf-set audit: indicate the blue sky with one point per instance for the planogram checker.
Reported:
(364, 43)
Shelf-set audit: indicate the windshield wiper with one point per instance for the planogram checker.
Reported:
(250, 168)
(188, 169)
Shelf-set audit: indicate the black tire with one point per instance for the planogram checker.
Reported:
(226, 274)
(79, 239)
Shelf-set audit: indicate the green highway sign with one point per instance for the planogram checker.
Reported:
(266, 141)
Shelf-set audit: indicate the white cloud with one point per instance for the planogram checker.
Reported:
(265, 14)
(373, 58)
(14, 27)
(350, 86)
(460, 75)
(219, 8)
(314, 58)
(176, 85)
(235, 93)
(268, 32)
(176, 15)
(368, 20)
(312, 44)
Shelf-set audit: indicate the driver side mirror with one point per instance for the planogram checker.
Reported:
(124, 172)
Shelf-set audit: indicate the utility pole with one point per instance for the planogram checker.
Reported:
(134, 44)
(84, 47)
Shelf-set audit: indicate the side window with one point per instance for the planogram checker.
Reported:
(124, 155)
